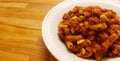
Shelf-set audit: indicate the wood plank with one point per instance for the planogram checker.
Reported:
(21, 22)
(42, 7)
(20, 30)
(20, 16)
(20, 34)
(16, 16)
(34, 1)
(20, 5)
(24, 13)
(33, 51)
(12, 56)
(22, 1)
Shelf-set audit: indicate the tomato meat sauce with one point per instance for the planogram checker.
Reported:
(91, 32)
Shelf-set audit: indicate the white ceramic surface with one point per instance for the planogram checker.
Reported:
(54, 16)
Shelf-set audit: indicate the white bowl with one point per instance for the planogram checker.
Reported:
(54, 16)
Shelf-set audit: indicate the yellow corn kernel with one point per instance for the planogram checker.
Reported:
(69, 44)
(81, 24)
(83, 51)
(80, 41)
(104, 25)
(103, 16)
(72, 30)
(74, 17)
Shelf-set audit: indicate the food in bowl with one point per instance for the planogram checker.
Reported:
(91, 32)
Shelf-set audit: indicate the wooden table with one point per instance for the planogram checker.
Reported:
(20, 30)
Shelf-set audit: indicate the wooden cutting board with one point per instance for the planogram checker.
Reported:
(20, 30)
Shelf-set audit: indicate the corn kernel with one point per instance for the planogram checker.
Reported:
(69, 44)
(104, 25)
(72, 30)
(103, 16)
(83, 51)
(80, 41)
(74, 17)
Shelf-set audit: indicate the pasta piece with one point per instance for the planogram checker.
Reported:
(98, 26)
(85, 53)
(69, 44)
(112, 38)
(74, 37)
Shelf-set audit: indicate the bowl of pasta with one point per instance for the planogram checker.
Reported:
(83, 30)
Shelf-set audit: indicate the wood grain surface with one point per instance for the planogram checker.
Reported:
(20, 30)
